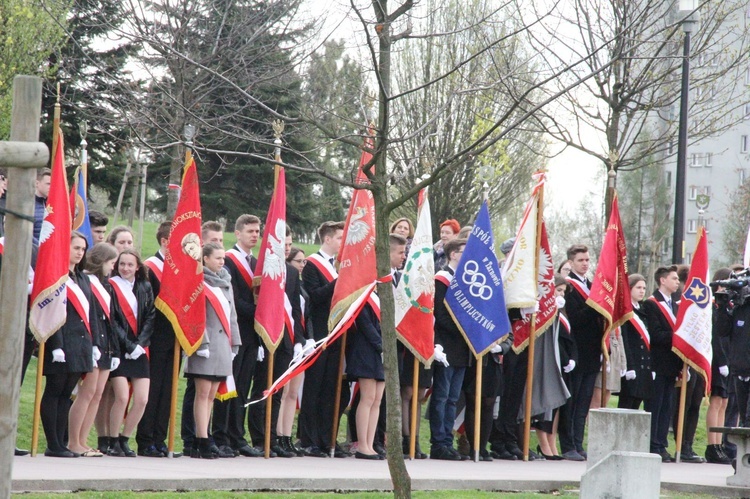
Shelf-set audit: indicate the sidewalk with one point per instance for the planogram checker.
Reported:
(315, 474)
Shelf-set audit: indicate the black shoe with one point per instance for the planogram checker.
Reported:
(688, 456)
(204, 449)
(165, 451)
(373, 457)
(102, 443)
(248, 451)
(226, 452)
(513, 449)
(444, 453)
(572, 455)
(418, 454)
(292, 446)
(484, 455)
(339, 452)
(548, 457)
(60, 453)
(127, 451)
(314, 451)
(150, 451)
(715, 454)
(115, 450)
(583, 454)
(279, 450)
(666, 457)
(501, 453)
(533, 456)
(464, 457)
(379, 449)
(20, 452)
(262, 451)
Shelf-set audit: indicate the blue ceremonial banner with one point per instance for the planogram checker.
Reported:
(475, 297)
(80, 209)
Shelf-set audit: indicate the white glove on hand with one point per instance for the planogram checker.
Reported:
(96, 353)
(653, 374)
(689, 375)
(234, 354)
(136, 353)
(440, 355)
(115, 363)
(203, 353)
(629, 375)
(530, 310)
(571, 365)
(496, 349)
(724, 371)
(58, 355)
(309, 347)
(297, 350)
(261, 354)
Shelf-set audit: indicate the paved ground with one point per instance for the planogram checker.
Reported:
(141, 473)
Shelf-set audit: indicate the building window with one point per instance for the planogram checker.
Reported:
(743, 176)
(696, 159)
(670, 147)
(747, 76)
(747, 111)
(669, 179)
(709, 159)
(665, 247)
(699, 92)
(692, 226)
(688, 258)
(692, 193)
(744, 143)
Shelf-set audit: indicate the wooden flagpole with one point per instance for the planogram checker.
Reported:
(532, 334)
(337, 400)
(40, 355)
(681, 413)
(414, 410)
(478, 407)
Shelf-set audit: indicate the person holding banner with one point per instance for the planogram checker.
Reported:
(99, 264)
(637, 383)
(134, 314)
(452, 356)
(70, 353)
(661, 320)
(212, 362)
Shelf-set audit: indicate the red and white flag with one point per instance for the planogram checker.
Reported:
(357, 265)
(415, 293)
(546, 296)
(692, 338)
(610, 292)
(48, 294)
(181, 297)
(269, 312)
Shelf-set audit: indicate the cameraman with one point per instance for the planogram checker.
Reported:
(735, 302)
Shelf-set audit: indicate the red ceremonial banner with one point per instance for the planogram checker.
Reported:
(48, 310)
(357, 268)
(270, 312)
(610, 292)
(181, 297)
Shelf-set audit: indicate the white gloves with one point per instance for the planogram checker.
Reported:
(724, 371)
(96, 354)
(234, 354)
(571, 365)
(298, 350)
(203, 353)
(440, 355)
(496, 349)
(629, 375)
(137, 352)
(309, 346)
(58, 355)
(115, 363)
(653, 374)
(261, 354)
(530, 310)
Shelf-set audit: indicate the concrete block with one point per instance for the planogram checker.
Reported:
(617, 430)
(623, 475)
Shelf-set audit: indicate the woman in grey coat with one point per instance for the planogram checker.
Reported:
(211, 364)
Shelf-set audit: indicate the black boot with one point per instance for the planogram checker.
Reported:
(114, 448)
(292, 447)
(405, 445)
(715, 454)
(102, 443)
(204, 449)
(280, 450)
(127, 451)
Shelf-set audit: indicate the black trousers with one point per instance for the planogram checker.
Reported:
(229, 416)
(29, 344)
(660, 407)
(187, 425)
(628, 402)
(583, 386)
(694, 391)
(318, 399)
(742, 392)
(505, 429)
(565, 420)
(55, 405)
(256, 413)
(154, 425)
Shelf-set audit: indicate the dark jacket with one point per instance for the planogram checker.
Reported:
(73, 337)
(638, 359)
(109, 338)
(320, 292)
(447, 333)
(293, 292)
(664, 362)
(739, 341)
(163, 337)
(567, 345)
(364, 347)
(244, 303)
(146, 312)
(721, 328)
(586, 327)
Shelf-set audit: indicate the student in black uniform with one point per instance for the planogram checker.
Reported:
(637, 384)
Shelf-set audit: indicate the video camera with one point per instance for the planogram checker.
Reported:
(736, 289)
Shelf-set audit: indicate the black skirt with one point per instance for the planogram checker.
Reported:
(406, 369)
(207, 377)
(130, 368)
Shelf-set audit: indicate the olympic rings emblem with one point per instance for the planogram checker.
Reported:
(476, 281)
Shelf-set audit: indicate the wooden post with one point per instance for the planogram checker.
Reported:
(477, 408)
(173, 398)
(337, 403)
(681, 414)
(27, 155)
(414, 410)
(269, 407)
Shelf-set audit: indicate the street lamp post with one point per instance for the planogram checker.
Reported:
(687, 12)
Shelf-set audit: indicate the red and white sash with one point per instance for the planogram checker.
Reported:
(221, 306)
(579, 286)
(242, 265)
(639, 326)
(156, 266)
(78, 299)
(288, 319)
(2, 245)
(564, 322)
(666, 311)
(444, 276)
(324, 266)
(101, 295)
(126, 299)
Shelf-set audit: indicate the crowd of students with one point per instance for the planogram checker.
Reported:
(115, 351)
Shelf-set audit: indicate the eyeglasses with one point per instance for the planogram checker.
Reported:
(302, 262)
